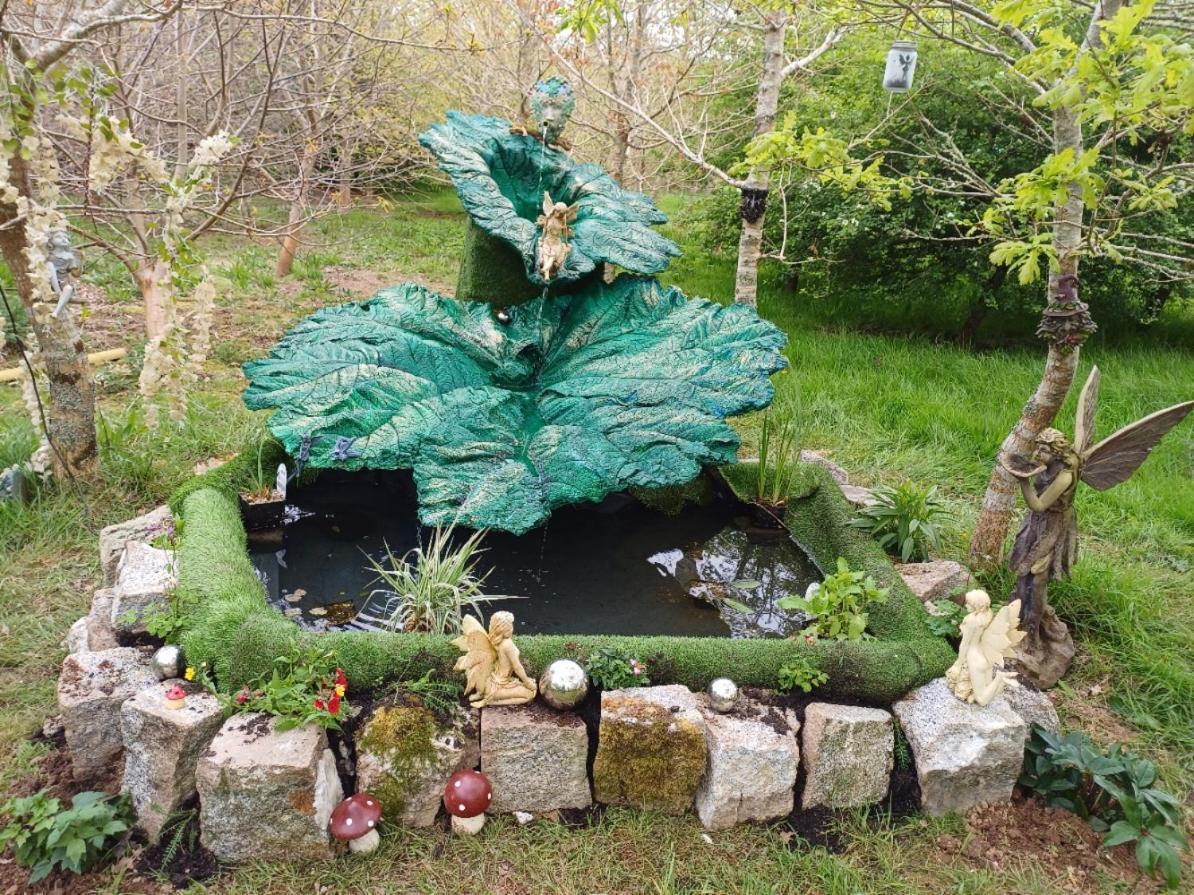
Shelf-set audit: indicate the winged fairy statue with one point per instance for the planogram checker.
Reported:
(1046, 545)
(493, 671)
(988, 641)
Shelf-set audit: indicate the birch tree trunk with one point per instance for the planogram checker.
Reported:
(1065, 323)
(754, 192)
(70, 411)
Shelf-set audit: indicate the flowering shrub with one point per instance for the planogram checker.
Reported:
(612, 670)
(303, 688)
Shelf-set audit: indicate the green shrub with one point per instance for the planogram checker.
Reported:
(903, 520)
(946, 618)
(302, 688)
(44, 836)
(611, 669)
(801, 672)
(1113, 791)
(839, 605)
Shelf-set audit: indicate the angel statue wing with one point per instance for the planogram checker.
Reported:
(1117, 456)
(1002, 634)
(479, 657)
(1084, 422)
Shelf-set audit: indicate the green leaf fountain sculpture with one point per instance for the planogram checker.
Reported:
(540, 384)
(1046, 545)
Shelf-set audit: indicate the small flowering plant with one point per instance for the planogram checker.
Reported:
(611, 669)
(302, 688)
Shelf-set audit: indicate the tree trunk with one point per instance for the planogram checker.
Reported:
(70, 411)
(150, 277)
(754, 193)
(344, 185)
(298, 213)
(1064, 324)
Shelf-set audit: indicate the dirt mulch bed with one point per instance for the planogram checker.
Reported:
(1025, 830)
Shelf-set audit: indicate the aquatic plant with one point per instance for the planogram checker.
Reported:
(430, 588)
(839, 605)
(501, 177)
(575, 397)
(779, 459)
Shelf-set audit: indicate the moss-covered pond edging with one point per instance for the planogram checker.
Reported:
(229, 625)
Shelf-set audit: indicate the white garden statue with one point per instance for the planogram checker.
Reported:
(988, 640)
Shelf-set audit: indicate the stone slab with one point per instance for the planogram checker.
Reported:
(651, 748)
(753, 759)
(113, 538)
(849, 753)
(266, 794)
(535, 758)
(965, 754)
(93, 631)
(940, 579)
(162, 747)
(91, 689)
(1033, 706)
(145, 579)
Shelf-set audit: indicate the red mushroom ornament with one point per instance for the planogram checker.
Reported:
(467, 795)
(355, 821)
(176, 697)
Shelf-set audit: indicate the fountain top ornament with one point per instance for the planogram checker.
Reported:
(506, 409)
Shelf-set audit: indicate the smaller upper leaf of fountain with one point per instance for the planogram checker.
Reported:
(618, 385)
(501, 177)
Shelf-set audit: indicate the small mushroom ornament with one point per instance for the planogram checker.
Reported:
(467, 795)
(355, 821)
(176, 697)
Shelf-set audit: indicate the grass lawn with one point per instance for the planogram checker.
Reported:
(886, 407)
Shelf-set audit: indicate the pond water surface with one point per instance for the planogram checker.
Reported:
(609, 568)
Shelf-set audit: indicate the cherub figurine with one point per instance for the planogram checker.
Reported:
(493, 671)
(987, 642)
(1047, 543)
(553, 244)
(552, 102)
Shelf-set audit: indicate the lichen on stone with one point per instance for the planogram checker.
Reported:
(402, 738)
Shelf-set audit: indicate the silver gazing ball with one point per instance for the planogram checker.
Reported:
(723, 694)
(168, 662)
(563, 684)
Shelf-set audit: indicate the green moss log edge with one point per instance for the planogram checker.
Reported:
(229, 625)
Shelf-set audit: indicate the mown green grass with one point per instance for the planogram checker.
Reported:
(885, 406)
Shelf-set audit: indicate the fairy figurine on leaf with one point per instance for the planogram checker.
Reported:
(492, 668)
(1046, 545)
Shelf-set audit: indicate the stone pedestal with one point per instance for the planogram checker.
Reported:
(535, 757)
(651, 748)
(849, 752)
(91, 688)
(161, 749)
(145, 580)
(405, 755)
(753, 758)
(965, 754)
(113, 538)
(1033, 706)
(267, 795)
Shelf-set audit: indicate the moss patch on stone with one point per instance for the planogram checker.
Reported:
(647, 757)
(401, 737)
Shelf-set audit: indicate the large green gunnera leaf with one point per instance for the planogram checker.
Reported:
(617, 385)
(501, 177)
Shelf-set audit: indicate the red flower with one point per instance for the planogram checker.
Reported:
(243, 696)
(334, 704)
(318, 703)
(341, 679)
